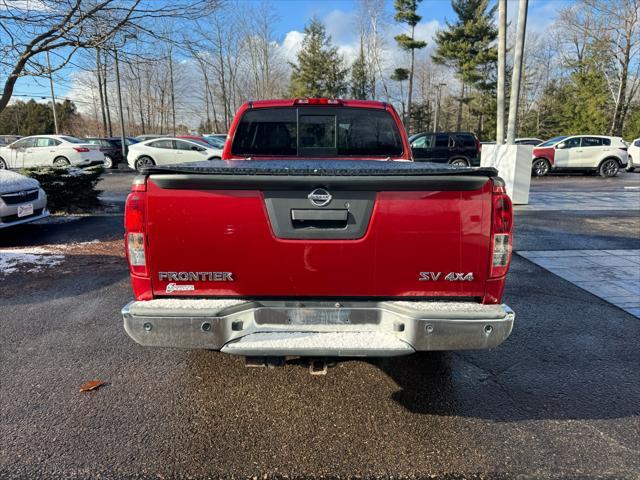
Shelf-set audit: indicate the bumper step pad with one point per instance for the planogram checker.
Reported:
(343, 344)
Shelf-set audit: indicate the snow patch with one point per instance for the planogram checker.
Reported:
(28, 259)
(191, 304)
(13, 182)
(446, 306)
(35, 259)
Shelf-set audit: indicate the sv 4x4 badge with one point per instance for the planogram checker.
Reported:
(449, 277)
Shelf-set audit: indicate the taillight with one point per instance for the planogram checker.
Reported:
(81, 149)
(135, 236)
(501, 226)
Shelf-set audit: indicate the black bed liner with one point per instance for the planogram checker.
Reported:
(327, 173)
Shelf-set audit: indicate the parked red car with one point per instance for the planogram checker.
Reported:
(316, 235)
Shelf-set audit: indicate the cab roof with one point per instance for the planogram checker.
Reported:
(312, 102)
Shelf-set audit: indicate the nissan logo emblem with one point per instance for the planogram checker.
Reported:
(319, 197)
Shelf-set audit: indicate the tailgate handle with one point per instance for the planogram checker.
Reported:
(302, 218)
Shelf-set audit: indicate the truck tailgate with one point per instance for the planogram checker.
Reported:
(340, 231)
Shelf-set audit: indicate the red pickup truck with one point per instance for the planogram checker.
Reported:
(317, 235)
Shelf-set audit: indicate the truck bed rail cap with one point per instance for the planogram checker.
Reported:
(319, 167)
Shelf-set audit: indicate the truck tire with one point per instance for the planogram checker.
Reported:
(144, 161)
(609, 168)
(459, 162)
(540, 167)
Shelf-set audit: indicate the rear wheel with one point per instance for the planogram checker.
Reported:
(541, 167)
(609, 168)
(61, 162)
(3, 164)
(143, 162)
(107, 162)
(459, 162)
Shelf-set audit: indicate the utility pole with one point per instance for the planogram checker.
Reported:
(517, 71)
(123, 144)
(437, 110)
(502, 54)
(173, 96)
(53, 95)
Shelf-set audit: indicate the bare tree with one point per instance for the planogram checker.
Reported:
(372, 23)
(30, 29)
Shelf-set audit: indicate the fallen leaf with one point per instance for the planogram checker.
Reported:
(91, 385)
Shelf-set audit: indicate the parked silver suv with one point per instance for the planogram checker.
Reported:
(21, 199)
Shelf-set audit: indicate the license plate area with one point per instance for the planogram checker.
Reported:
(25, 210)
(316, 316)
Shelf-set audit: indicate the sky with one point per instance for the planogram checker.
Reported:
(339, 17)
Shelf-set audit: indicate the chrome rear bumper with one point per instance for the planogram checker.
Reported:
(281, 328)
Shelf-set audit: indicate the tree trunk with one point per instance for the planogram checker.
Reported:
(413, 55)
(502, 57)
(99, 76)
(106, 97)
(404, 113)
(618, 118)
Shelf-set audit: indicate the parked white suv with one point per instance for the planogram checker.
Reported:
(605, 155)
(634, 155)
(48, 150)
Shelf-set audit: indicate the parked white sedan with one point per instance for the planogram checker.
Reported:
(47, 150)
(168, 151)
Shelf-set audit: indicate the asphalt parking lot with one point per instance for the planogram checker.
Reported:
(560, 398)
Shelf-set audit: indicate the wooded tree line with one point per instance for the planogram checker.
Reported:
(194, 68)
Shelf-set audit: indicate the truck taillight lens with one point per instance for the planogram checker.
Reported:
(501, 254)
(135, 238)
(502, 224)
(135, 249)
(502, 213)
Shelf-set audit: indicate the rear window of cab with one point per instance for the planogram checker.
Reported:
(317, 132)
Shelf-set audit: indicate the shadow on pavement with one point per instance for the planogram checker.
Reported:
(60, 232)
(77, 275)
(452, 384)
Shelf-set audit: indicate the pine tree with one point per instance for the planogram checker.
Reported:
(361, 81)
(406, 13)
(467, 45)
(319, 71)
